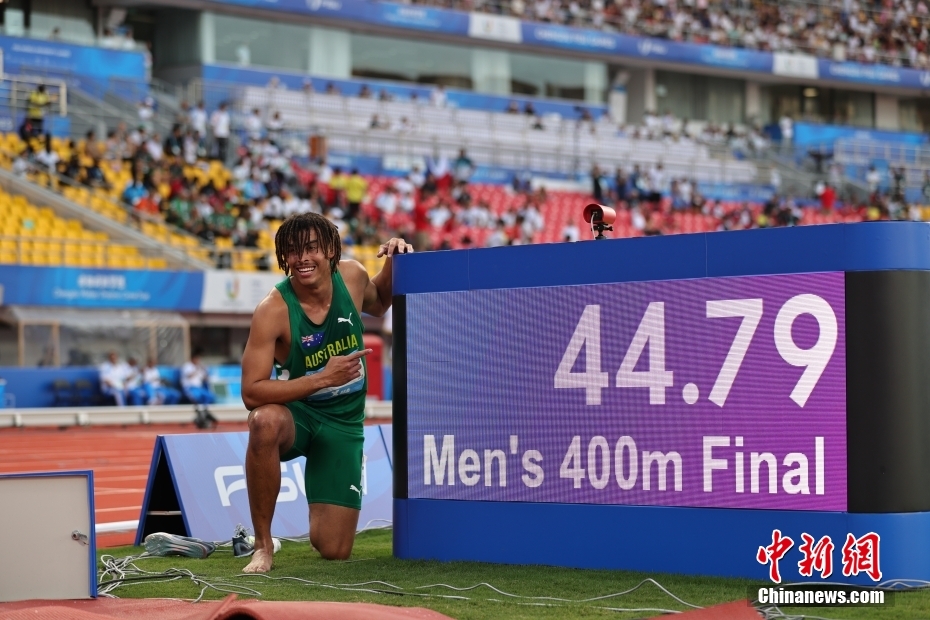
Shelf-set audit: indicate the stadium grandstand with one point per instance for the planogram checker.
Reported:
(151, 149)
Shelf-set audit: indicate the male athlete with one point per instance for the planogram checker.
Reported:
(309, 327)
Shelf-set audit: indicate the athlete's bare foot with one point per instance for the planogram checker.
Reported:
(262, 561)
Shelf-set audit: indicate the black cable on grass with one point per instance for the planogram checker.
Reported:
(293, 237)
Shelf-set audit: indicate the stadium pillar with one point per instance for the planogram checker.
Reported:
(887, 114)
(490, 71)
(641, 93)
(753, 101)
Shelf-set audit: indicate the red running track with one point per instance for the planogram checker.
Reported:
(119, 456)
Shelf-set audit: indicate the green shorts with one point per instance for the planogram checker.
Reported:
(334, 459)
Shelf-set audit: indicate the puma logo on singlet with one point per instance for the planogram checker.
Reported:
(352, 487)
(348, 320)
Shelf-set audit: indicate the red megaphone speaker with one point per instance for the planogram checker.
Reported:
(599, 214)
(600, 218)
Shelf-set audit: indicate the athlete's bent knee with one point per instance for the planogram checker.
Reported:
(266, 420)
(335, 552)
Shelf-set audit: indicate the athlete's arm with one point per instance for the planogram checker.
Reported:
(258, 359)
(376, 298)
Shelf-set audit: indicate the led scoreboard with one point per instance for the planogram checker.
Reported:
(681, 404)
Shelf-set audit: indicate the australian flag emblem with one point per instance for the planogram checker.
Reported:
(313, 340)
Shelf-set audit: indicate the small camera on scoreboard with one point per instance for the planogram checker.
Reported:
(600, 218)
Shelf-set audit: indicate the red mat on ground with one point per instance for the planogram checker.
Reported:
(737, 610)
(227, 609)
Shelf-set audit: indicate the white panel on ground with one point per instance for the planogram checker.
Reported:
(37, 517)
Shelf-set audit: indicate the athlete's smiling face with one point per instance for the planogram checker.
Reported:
(310, 265)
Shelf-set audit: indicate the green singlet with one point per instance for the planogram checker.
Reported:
(328, 423)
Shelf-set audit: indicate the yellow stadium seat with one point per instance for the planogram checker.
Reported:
(7, 257)
(72, 260)
(157, 263)
(118, 262)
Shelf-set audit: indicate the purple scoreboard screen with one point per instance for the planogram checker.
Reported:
(714, 392)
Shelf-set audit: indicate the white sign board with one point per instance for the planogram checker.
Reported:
(235, 291)
(49, 548)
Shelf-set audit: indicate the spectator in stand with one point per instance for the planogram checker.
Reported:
(529, 109)
(183, 117)
(254, 125)
(365, 92)
(402, 126)
(421, 226)
(156, 392)
(513, 108)
(620, 186)
(153, 148)
(416, 176)
(220, 123)
(440, 215)
(194, 147)
(324, 173)
(136, 190)
(135, 393)
(338, 184)
(498, 236)
(37, 106)
(48, 157)
(437, 96)
(197, 390)
(898, 176)
(570, 232)
(430, 186)
(198, 119)
(874, 178)
(786, 125)
(828, 198)
(439, 168)
(387, 201)
(147, 113)
(113, 375)
(356, 188)
(463, 167)
(174, 144)
(657, 183)
(275, 127)
(597, 185)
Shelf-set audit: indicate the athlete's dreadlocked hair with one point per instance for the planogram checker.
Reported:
(293, 237)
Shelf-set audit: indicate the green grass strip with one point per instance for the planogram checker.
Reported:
(373, 575)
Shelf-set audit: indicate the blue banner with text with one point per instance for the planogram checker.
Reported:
(101, 288)
(208, 471)
(82, 66)
(444, 21)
